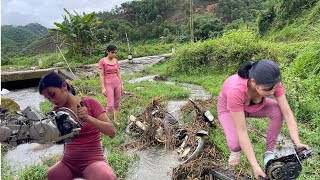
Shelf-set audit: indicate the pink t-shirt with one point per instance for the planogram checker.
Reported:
(234, 95)
(110, 71)
(87, 145)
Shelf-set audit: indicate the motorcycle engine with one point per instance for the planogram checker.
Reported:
(66, 126)
(31, 126)
(286, 163)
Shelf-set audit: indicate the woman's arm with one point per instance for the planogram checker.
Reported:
(245, 143)
(101, 73)
(120, 78)
(239, 120)
(289, 118)
(119, 75)
(103, 124)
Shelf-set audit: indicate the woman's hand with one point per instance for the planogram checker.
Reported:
(302, 146)
(82, 113)
(122, 88)
(104, 91)
(258, 172)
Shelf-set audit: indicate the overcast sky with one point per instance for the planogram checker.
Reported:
(45, 12)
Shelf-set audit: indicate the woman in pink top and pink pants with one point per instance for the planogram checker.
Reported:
(246, 94)
(111, 80)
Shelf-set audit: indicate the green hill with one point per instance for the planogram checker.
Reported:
(15, 38)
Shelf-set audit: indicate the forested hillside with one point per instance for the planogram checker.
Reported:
(151, 19)
(15, 38)
(147, 21)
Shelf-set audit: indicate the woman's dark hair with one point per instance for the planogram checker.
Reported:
(110, 48)
(54, 80)
(264, 72)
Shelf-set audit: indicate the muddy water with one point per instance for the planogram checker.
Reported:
(28, 154)
(25, 97)
(33, 153)
(156, 164)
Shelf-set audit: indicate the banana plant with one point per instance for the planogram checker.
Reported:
(80, 32)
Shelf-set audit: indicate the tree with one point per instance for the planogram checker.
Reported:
(80, 32)
(230, 10)
(207, 26)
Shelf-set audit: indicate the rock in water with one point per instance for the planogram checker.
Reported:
(9, 106)
(4, 91)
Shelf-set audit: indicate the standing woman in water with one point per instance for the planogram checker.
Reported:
(111, 81)
(246, 94)
(83, 157)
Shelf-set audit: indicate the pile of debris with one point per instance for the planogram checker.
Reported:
(156, 127)
(207, 158)
(153, 127)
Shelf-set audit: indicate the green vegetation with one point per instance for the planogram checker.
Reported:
(285, 31)
(120, 162)
(14, 39)
(79, 31)
(34, 172)
(283, 13)
(231, 10)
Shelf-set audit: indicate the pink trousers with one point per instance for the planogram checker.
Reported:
(113, 87)
(98, 170)
(270, 110)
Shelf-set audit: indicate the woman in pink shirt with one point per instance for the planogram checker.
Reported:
(247, 94)
(111, 81)
(83, 156)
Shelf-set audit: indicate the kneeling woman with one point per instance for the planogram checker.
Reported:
(246, 94)
(83, 157)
